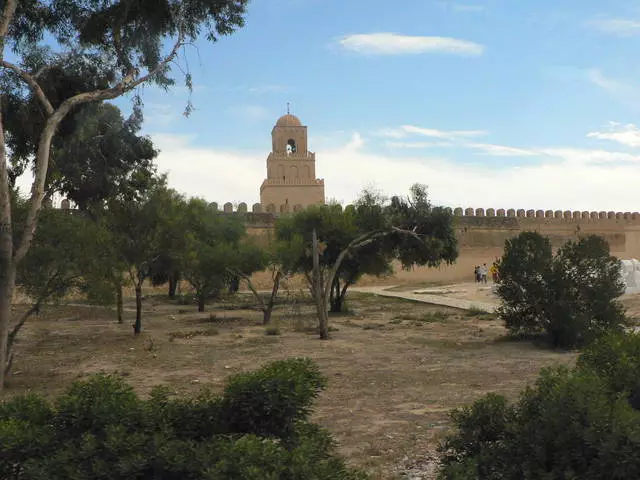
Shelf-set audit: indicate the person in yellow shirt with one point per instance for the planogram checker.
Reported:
(494, 272)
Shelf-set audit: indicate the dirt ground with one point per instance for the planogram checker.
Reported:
(395, 367)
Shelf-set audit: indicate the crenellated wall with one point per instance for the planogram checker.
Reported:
(481, 233)
(544, 214)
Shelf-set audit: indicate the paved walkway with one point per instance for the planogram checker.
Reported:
(429, 298)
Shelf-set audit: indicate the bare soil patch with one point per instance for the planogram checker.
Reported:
(395, 368)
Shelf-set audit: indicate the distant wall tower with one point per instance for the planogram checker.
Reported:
(291, 182)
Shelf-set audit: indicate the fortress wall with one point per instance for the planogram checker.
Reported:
(482, 234)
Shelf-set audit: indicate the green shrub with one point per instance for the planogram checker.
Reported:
(573, 424)
(255, 403)
(523, 288)
(100, 429)
(616, 358)
(571, 298)
(585, 283)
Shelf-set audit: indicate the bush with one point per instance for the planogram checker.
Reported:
(571, 298)
(616, 358)
(524, 275)
(258, 429)
(572, 424)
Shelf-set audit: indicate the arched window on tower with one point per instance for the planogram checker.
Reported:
(291, 146)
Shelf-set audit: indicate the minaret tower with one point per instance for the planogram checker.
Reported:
(291, 182)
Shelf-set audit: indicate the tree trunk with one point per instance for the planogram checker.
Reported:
(335, 300)
(137, 327)
(268, 308)
(266, 316)
(7, 283)
(119, 306)
(173, 285)
(319, 292)
(7, 265)
(201, 300)
(336, 304)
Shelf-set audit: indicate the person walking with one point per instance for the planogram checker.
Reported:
(483, 273)
(494, 272)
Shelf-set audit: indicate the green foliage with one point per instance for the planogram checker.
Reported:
(568, 426)
(434, 226)
(257, 404)
(337, 229)
(525, 270)
(585, 283)
(569, 297)
(99, 428)
(214, 246)
(616, 358)
(65, 251)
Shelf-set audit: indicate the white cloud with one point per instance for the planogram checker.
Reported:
(396, 44)
(624, 91)
(564, 179)
(407, 130)
(391, 144)
(583, 156)
(616, 26)
(502, 150)
(596, 77)
(628, 135)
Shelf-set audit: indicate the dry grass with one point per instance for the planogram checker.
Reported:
(395, 368)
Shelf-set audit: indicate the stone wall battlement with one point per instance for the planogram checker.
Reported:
(548, 215)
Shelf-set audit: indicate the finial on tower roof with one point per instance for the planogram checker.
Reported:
(288, 112)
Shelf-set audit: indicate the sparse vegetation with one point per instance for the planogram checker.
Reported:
(182, 335)
(427, 317)
(431, 366)
(476, 311)
(272, 330)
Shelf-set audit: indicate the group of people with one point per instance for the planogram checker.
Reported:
(481, 272)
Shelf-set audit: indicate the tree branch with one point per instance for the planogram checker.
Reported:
(247, 279)
(42, 157)
(33, 83)
(7, 16)
(16, 328)
(360, 242)
(127, 84)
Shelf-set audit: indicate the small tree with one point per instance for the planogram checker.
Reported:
(586, 281)
(65, 251)
(274, 259)
(409, 229)
(136, 228)
(525, 271)
(212, 249)
(570, 297)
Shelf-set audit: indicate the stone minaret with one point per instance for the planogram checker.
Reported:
(291, 182)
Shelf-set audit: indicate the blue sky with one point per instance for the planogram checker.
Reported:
(491, 103)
